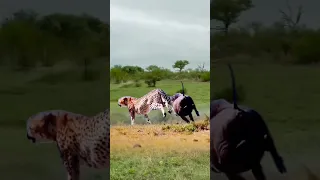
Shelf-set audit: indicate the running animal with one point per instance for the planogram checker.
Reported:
(239, 138)
(80, 139)
(183, 105)
(154, 100)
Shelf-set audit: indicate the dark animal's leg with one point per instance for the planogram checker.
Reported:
(258, 172)
(191, 117)
(185, 119)
(232, 176)
(194, 107)
(269, 143)
(275, 155)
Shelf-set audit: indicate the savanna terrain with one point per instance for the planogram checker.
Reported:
(167, 149)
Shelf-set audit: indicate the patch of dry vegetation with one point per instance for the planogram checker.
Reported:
(177, 137)
(160, 151)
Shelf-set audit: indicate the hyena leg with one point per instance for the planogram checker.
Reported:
(147, 119)
(185, 119)
(258, 172)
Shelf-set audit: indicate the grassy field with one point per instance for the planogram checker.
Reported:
(288, 98)
(200, 92)
(23, 94)
(174, 153)
(153, 152)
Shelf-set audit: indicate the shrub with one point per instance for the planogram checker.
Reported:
(151, 78)
(306, 49)
(137, 84)
(180, 91)
(205, 77)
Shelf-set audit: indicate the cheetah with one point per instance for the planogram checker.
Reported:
(81, 140)
(154, 100)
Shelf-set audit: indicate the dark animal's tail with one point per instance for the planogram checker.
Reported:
(182, 88)
(234, 91)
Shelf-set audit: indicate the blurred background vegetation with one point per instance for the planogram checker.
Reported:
(277, 69)
(53, 61)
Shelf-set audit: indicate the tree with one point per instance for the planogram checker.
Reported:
(132, 70)
(287, 18)
(228, 12)
(117, 74)
(154, 73)
(28, 39)
(152, 68)
(180, 64)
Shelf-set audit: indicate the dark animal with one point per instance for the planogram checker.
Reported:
(239, 137)
(183, 105)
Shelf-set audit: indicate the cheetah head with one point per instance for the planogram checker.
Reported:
(124, 101)
(41, 128)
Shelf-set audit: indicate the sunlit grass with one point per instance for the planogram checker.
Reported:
(160, 151)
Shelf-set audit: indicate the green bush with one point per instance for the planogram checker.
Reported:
(180, 91)
(151, 82)
(306, 49)
(205, 77)
(151, 78)
(137, 84)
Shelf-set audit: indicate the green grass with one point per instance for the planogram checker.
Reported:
(164, 153)
(23, 94)
(288, 98)
(166, 165)
(199, 91)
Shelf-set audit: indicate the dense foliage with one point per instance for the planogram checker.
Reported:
(28, 39)
(153, 73)
(285, 41)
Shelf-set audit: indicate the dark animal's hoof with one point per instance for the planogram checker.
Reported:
(169, 112)
(165, 114)
(197, 113)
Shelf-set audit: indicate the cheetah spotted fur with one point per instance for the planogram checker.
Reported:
(81, 140)
(156, 99)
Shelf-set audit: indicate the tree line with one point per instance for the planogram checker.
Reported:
(28, 39)
(286, 41)
(152, 74)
